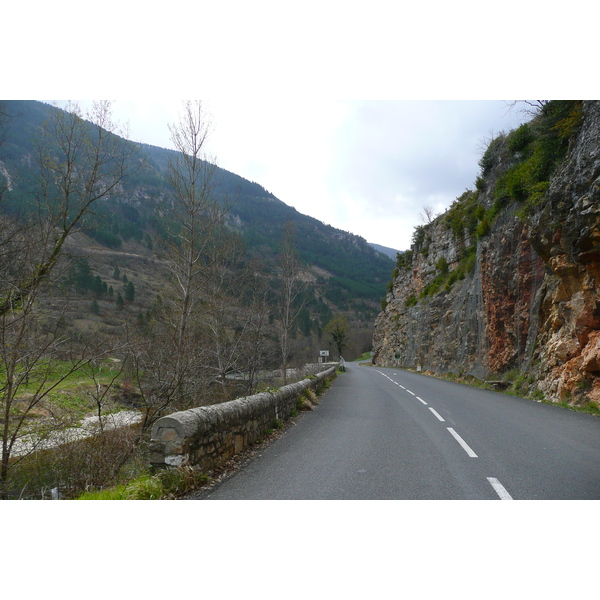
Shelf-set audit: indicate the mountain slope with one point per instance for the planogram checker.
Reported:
(385, 250)
(345, 273)
(358, 271)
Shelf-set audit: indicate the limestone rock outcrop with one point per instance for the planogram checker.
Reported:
(515, 294)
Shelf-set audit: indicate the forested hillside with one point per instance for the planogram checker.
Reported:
(137, 211)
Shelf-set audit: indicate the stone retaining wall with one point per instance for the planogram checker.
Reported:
(208, 436)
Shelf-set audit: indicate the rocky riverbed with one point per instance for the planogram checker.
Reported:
(88, 427)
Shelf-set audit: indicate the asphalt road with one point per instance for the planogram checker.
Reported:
(387, 434)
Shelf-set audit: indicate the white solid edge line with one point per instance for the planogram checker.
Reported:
(499, 488)
(435, 412)
(462, 442)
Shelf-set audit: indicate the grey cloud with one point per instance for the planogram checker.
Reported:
(413, 150)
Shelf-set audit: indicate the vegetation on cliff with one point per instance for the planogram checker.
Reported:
(515, 168)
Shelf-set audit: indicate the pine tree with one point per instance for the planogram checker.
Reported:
(81, 277)
(97, 286)
(130, 292)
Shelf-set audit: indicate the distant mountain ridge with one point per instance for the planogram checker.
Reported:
(391, 252)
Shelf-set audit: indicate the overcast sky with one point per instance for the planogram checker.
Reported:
(364, 166)
(367, 167)
(288, 88)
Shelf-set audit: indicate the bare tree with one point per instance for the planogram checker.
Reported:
(527, 107)
(79, 162)
(168, 364)
(35, 360)
(235, 319)
(427, 215)
(224, 319)
(100, 392)
(192, 175)
(227, 334)
(4, 176)
(290, 293)
(260, 348)
(166, 381)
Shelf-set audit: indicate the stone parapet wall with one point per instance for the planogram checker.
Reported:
(208, 436)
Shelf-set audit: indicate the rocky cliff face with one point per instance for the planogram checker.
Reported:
(505, 285)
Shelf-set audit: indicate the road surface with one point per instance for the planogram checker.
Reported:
(388, 434)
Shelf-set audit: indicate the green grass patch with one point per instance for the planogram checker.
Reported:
(61, 375)
(411, 301)
(167, 483)
(586, 406)
(520, 379)
(446, 279)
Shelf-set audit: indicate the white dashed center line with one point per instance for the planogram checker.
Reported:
(462, 442)
(435, 412)
(500, 489)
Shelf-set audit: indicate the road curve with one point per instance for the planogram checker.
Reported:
(388, 434)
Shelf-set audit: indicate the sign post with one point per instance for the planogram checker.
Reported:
(323, 354)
